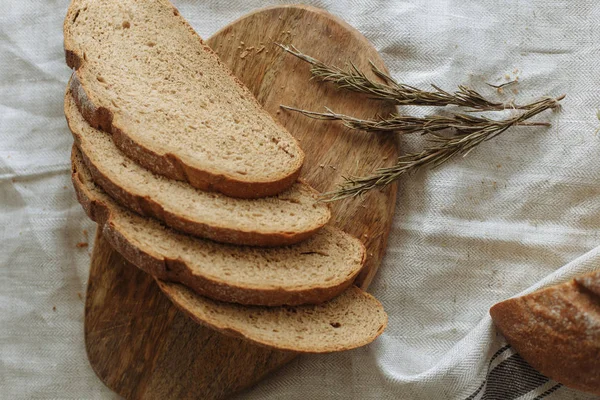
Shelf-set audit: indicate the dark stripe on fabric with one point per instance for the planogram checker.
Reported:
(512, 378)
(496, 354)
(549, 391)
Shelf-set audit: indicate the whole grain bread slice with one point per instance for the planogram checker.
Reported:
(145, 76)
(312, 271)
(284, 219)
(557, 330)
(353, 319)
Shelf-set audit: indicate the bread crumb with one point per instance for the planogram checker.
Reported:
(244, 54)
(507, 76)
(79, 295)
(242, 43)
(53, 308)
(261, 48)
(323, 165)
(499, 166)
(82, 245)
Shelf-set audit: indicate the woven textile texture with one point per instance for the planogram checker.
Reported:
(518, 213)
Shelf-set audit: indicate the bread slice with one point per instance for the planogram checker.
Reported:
(557, 330)
(353, 319)
(287, 218)
(313, 271)
(145, 76)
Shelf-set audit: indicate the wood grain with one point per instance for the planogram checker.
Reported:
(138, 343)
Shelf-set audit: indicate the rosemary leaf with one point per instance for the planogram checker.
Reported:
(440, 150)
(388, 89)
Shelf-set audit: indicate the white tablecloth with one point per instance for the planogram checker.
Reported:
(518, 213)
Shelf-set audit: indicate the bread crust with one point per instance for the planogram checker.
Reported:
(176, 270)
(557, 331)
(168, 164)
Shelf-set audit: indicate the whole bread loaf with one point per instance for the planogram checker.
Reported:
(312, 271)
(145, 76)
(557, 330)
(353, 319)
(284, 219)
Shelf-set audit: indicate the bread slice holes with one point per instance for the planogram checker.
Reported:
(335, 324)
(76, 15)
(126, 25)
(150, 44)
(100, 79)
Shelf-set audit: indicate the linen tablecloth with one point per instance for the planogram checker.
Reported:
(519, 212)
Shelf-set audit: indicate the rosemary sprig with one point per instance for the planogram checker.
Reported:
(406, 124)
(355, 80)
(439, 151)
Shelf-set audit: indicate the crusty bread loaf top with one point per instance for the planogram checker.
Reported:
(147, 77)
(287, 218)
(313, 271)
(557, 330)
(353, 319)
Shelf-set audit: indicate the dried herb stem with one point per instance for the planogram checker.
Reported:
(388, 89)
(440, 150)
(406, 124)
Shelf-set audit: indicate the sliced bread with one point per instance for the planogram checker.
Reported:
(145, 76)
(353, 319)
(312, 271)
(284, 219)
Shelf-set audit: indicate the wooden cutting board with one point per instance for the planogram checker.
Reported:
(137, 342)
